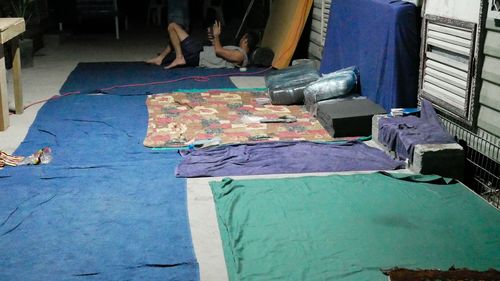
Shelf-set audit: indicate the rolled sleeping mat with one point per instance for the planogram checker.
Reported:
(287, 96)
(294, 75)
(333, 85)
(286, 86)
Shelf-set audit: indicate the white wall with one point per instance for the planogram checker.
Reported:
(492, 12)
(466, 10)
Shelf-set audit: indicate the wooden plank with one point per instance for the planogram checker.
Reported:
(460, 74)
(448, 46)
(492, 44)
(448, 61)
(490, 95)
(316, 38)
(490, 24)
(16, 74)
(320, 14)
(317, 14)
(488, 120)
(316, 25)
(10, 28)
(462, 84)
(4, 102)
(466, 34)
(444, 95)
(317, 11)
(491, 69)
(444, 85)
(449, 38)
(315, 50)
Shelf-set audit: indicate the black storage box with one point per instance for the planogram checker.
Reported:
(348, 117)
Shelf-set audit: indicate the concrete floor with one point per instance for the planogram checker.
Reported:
(55, 61)
(52, 66)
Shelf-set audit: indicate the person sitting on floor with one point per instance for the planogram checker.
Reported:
(185, 51)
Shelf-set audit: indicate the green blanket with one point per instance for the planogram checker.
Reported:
(351, 227)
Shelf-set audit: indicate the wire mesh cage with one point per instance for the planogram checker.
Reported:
(482, 167)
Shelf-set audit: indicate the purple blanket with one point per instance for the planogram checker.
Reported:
(401, 134)
(282, 158)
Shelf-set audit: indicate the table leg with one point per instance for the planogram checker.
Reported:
(4, 101)
(16, 75)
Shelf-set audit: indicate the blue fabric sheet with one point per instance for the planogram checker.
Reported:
(284, 157)
(94, 76)
(106, 208)
(381, 37)
(401, 134)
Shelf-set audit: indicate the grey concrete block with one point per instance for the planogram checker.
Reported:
(379, 145)
(375, 121)
(446, 160)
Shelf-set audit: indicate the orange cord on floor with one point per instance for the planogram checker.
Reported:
(205, 78)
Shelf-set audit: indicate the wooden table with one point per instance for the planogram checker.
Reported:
(10, 29)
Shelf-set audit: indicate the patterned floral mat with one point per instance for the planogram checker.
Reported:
(181, 119)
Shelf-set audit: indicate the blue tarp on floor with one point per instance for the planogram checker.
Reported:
(140, 78)
(381, 37)
(106, 208)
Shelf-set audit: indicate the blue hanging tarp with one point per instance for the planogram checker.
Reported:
(381, 37)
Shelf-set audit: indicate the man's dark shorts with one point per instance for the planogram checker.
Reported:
(191, 49)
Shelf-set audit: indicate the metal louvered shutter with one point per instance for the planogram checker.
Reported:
(320, 15)
(447, 70)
